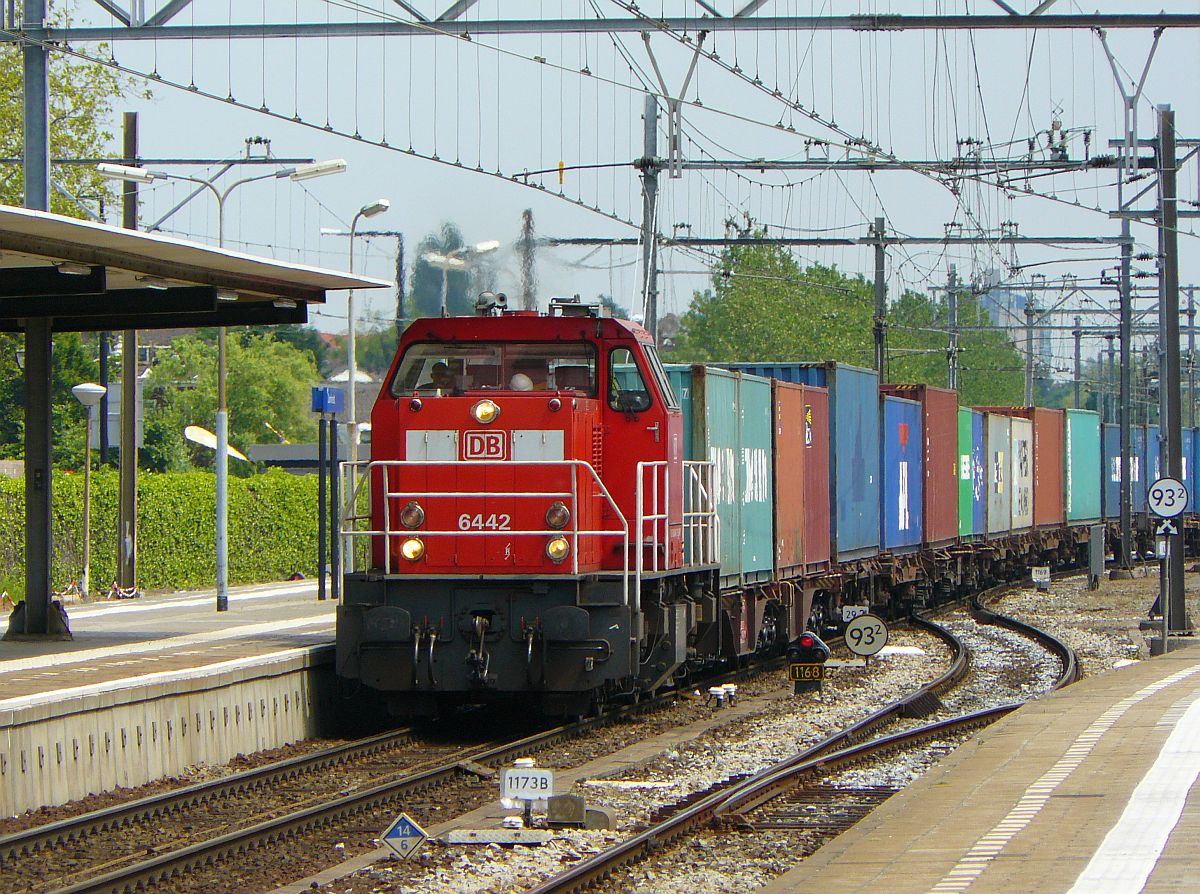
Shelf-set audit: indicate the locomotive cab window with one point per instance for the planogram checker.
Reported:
(627, 390)
(440, 369)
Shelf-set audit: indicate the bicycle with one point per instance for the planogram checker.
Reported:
(116, 592)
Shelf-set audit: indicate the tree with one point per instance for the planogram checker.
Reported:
(991, 370)
(269, 382)
(763, 306)
(304, 338)
(82, 96)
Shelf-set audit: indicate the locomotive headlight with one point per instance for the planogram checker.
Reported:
(484, 412)
(412, 549)
(412, 515)
(558, 515)
(558, 549)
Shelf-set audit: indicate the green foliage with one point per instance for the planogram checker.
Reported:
(74, 362)
(305, 339)
(272, 529)
(82, 96)
(991, 371)
(269, 381)
(375, 348)
(764, 306)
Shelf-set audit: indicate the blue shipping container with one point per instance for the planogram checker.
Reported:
(853, 447)
(903, 479)
(1154, 469)
(1111, 433)
(1189, 465)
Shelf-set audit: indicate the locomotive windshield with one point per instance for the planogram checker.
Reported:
(438, 368)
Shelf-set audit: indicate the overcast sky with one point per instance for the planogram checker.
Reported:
(517, 104)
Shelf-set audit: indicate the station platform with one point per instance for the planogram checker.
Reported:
(1087, 791)
(153, 685)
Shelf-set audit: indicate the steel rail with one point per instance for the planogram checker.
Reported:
(30, 841)
(174, 863)
(836, 750)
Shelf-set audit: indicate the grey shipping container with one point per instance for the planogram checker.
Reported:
(998, 432)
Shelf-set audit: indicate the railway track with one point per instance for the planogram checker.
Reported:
(790, 795)
(108, 854)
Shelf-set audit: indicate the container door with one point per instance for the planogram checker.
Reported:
(1083, 472)
(999, 471)
(979, 473)
(902, 474)
(855, 452)
(963, 469)
(1021, 432)
(939, 426)
(755, 478)
(1048, 467)
(1140, 459)
(816, 478)
(1111, 435)
(717, 414)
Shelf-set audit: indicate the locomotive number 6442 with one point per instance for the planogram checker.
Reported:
(497, 521)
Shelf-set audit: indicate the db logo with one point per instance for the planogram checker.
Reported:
(484, 445)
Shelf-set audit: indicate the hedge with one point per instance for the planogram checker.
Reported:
(272, 529)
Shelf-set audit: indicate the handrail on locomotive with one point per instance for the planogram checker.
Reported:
(701, 527)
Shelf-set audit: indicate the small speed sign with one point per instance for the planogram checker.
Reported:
(1167, 497)
(866, 635)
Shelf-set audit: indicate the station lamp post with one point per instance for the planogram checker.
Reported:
(459, 259)
(89, 395)
(379, 206)
(297, 173)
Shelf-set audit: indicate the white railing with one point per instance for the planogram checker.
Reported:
(356, 476)
(700, 531)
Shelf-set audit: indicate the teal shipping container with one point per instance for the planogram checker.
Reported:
(1081, 466)
(972, 476)
(729, 422)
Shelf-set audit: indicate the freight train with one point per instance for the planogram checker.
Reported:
(555, 516)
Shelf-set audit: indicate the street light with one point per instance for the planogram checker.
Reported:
(379, 206)
(297, 173)
(89, 395)
(459, 259)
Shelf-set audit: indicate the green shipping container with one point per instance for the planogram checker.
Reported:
(1081, 466)
(972, 503)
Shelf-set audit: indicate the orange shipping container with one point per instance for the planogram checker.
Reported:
(801, 445)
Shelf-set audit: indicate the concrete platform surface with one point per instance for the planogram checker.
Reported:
(120, 641)
(1088, 791)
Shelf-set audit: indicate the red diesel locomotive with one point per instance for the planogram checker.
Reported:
(534, 528)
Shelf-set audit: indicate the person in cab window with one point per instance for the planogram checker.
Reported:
(440, 379)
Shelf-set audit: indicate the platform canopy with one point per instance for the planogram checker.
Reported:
(93, 277)
(62, 274)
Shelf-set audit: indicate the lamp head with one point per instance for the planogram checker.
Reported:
(125, 172)
(379, 206)
(316, 169)
(89, 394)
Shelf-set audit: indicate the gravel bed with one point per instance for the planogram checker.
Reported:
(739, 748)
(1006, 666)
(1102, 627)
